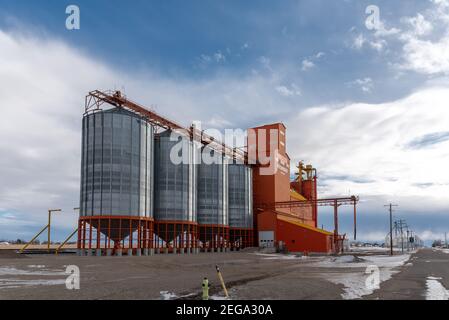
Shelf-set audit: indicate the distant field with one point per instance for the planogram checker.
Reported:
(34, 246)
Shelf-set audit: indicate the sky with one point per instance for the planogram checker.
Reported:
(367, 107)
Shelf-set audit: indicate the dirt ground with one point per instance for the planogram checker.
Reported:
(248, 275)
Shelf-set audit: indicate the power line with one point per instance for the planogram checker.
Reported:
(390, 206)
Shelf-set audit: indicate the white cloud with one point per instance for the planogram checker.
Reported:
(265, 62)
(219, 57)
(43, 83)
(422, 42)
(365, 84)
(382, 31)
(420, 26)
(420, 53)
(378, 45)
(367, 146)
(289, 92)
(425, 56)
(307, 64)
(358, 42)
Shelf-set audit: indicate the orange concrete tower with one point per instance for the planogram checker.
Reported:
(293, 228)
(267, 148)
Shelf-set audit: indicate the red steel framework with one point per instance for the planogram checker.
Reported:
(174, 235)
(213, 236)
(115, 232)
(333, 202)
(95, 99)
(98, 232)
(240, 238)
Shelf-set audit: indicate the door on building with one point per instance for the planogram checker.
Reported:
(266, 239)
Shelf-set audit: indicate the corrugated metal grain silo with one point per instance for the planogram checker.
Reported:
(213, 214)
(240, 205)
(116, 200)
(175, 191)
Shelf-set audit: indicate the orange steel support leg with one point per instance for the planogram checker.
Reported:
(355, 220)
(78, 244)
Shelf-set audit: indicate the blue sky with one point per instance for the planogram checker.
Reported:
(366, 107)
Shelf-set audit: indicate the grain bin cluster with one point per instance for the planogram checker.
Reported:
(150, 185)
(136, 200)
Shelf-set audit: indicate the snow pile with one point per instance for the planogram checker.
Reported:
(18, 283)
(435, 290)
(8, 276)
(41, 272)
(365, 280)
(278, 256)
(165, 295)
(349, 261)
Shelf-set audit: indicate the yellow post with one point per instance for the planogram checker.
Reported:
(34, 238)
(49, 226)
(205, 286)
(222, 281)
(48, 230)
(65, 241)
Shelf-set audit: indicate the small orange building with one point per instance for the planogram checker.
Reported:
(293, 228)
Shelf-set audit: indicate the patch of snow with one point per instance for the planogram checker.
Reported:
(435, 290)
(16, 272)
(276, 256)
(216, 297)
(8, 281)
(16, 283)
(165, 295)
(355, 282)
(349, 261)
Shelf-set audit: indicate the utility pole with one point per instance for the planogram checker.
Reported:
(445, 240)
(390, 206)
(408, 240)
(402, 224)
